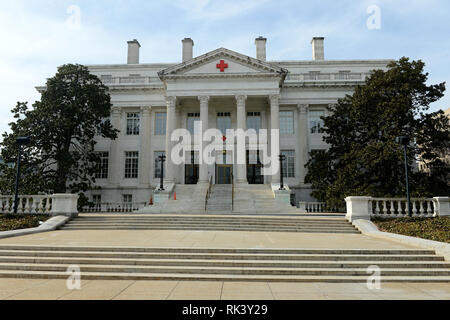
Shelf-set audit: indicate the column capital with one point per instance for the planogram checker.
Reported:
(203, 99)
(274, 98)
(332, 105)
(146, 110)
(116, 111)
(240, 98)
(171, 101)
(303, 108)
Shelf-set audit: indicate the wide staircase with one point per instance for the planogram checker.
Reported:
(259, 198)
(222, 264)
(212, 222)
(220, 199)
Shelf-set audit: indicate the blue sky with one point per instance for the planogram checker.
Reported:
(37, 37)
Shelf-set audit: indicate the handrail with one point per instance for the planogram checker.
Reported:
(232, 192)
(208, 192)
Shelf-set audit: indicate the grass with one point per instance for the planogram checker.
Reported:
(437, 229)
(14, 222)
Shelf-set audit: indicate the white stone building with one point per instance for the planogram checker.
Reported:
(224, 89)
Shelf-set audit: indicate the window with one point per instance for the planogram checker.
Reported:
(288, 163)
(102, 166)
(127, 198)
(315, 123)
(313, 75)
(133, 123)
(97, 199)
(160, 123)
(131, 164)
(192, 118)
(343, 75)
(254, 121)
(286, 122)
(158, 164)
(223, 122)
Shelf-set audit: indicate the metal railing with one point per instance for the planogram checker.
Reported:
(208, 192)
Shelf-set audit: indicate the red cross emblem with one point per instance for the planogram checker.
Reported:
(224, 138)
(222, 66)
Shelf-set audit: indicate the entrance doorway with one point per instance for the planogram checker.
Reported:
(224, 173)
(254, 168)
(191, 169)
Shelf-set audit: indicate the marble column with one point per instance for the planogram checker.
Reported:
(241, 123)
(275, 125)
(303, 146)
(204, 114)
(144, 155)
(114, 156)
(170, 126)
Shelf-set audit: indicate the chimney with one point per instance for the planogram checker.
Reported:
(188, 49)
(133, 51)
(260, 43)
(318, 48)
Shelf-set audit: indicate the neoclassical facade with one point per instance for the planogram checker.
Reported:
(225, 90)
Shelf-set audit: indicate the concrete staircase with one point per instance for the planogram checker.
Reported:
(222, 264)
(211, 222)
(190, 199)
(259, 198)
(221, 199)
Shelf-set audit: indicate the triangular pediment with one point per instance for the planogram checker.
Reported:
(222, 62)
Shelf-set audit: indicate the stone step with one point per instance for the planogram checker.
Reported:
(210, 218)
(220, 250)
(220, 256)
(228, 225)
(224, 270)
(209, 277)
(229, 263)
(213, 228)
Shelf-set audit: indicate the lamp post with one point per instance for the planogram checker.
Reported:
(282, 158)
(161, 183)
(20, 142)
(404, 141)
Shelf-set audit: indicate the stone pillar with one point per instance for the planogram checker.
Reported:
(144, 155)
(114, 157)
(170, 126)
(64, 204)
(441, 206)
(275, 125)
(204, 114)
(241, 123)
(303, 133)
(358, 208)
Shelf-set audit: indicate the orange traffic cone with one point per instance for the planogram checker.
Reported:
(151, 201)
(175, 196)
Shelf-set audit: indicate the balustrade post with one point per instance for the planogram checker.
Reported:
(358, 208)
(441, 206)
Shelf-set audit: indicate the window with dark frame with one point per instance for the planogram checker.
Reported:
(131, 164)
(102, 166)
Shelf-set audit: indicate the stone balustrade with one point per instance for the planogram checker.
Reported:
(312, 207)
(326, 76)
(132, 80)
(111, 207)
(55, 204)
(367, 207)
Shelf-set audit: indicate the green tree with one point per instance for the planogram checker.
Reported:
(62, 127)
(363, 158)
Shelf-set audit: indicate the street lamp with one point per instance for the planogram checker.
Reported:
(20, 142)
(282, 158)
(161, 184)
(404, 141)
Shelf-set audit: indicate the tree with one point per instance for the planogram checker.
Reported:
(363, 158)
(62, 127)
